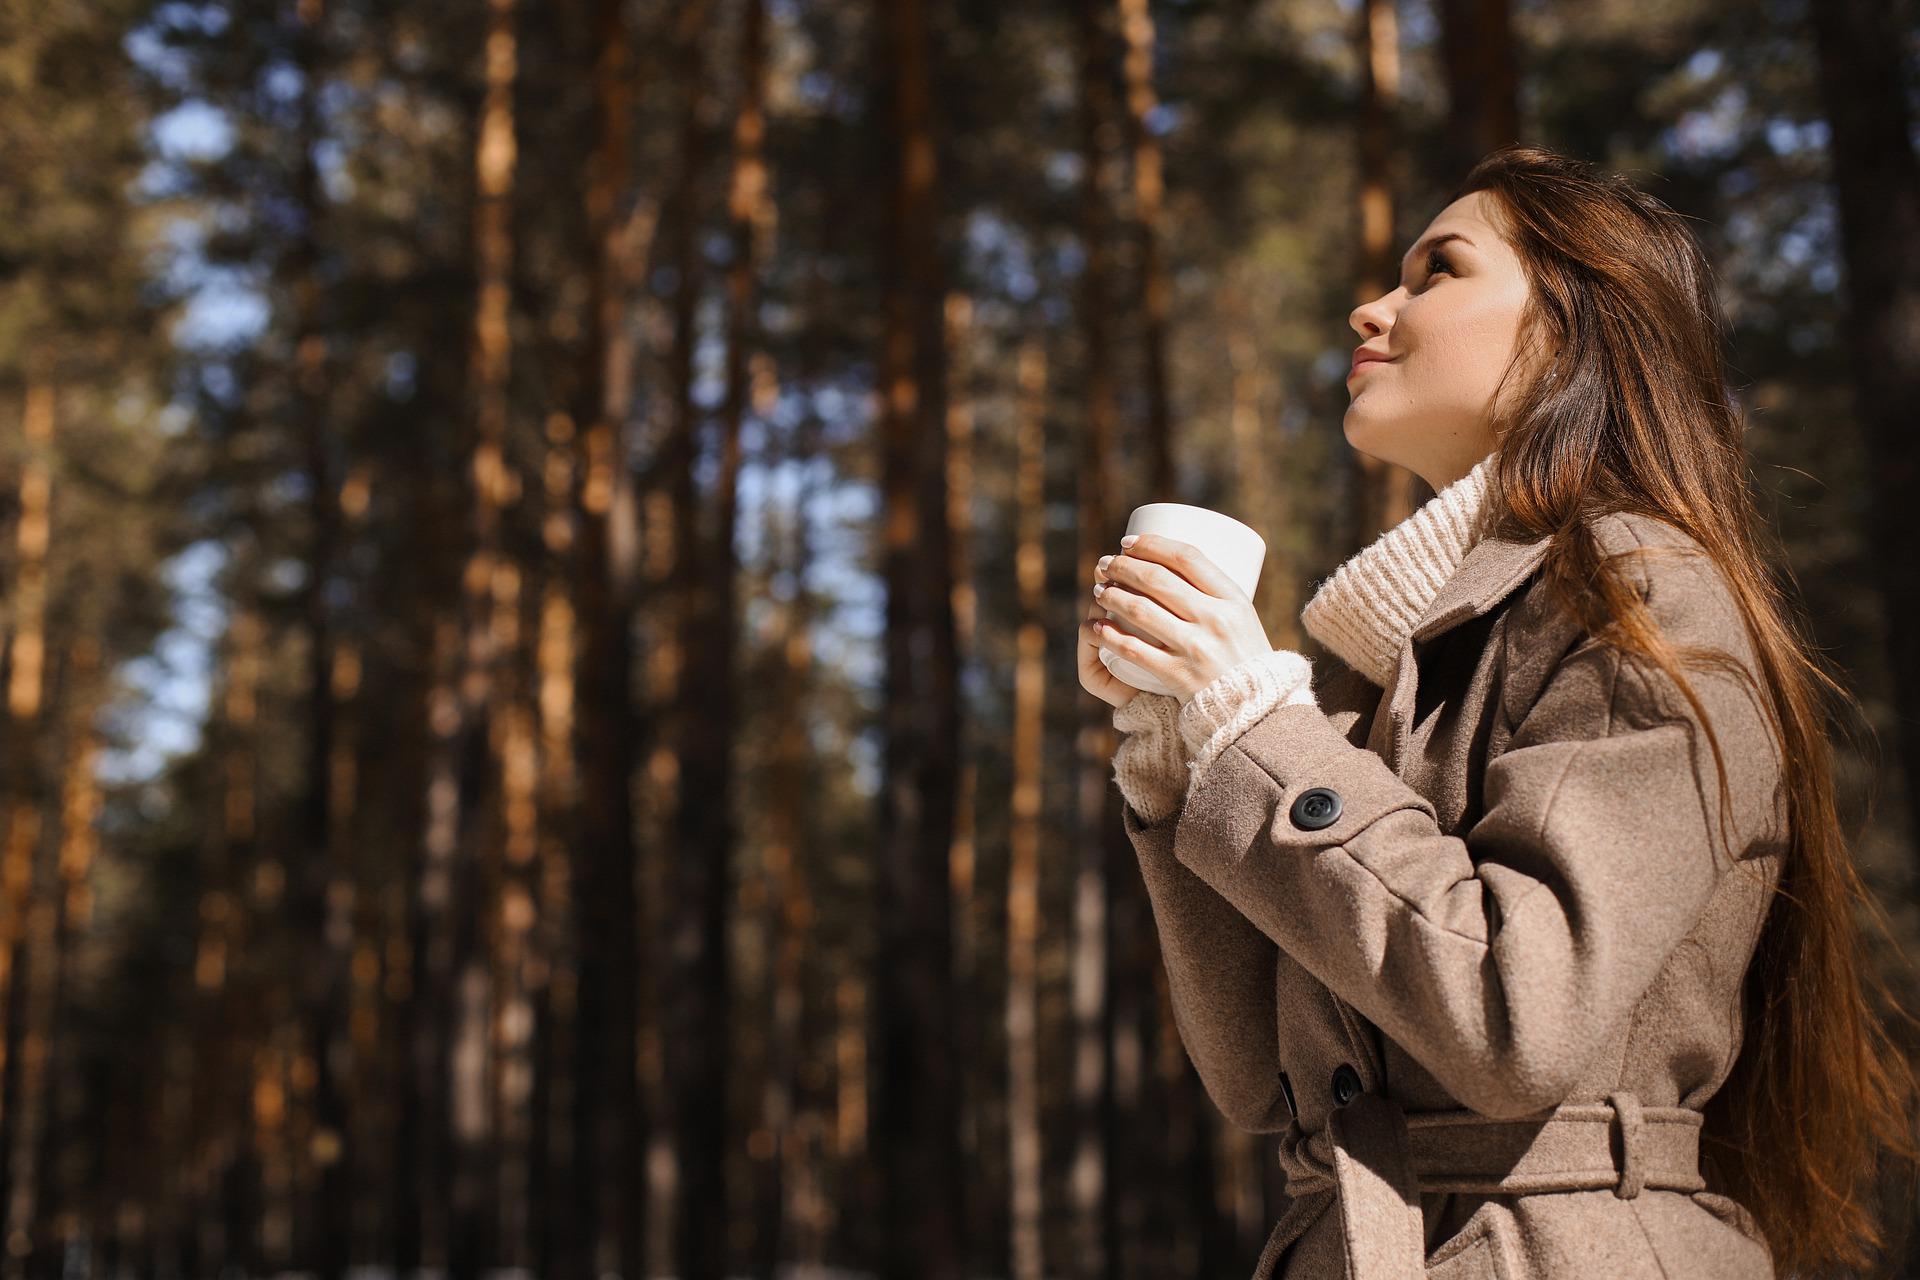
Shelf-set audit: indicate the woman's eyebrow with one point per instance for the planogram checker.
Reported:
(1415, 254)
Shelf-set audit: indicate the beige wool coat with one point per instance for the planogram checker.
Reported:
(1472, 945)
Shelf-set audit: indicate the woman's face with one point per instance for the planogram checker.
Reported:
(1448, 331)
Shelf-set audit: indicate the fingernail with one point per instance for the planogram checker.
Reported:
(1098, 587)
(1104, 562)
(1129, 540)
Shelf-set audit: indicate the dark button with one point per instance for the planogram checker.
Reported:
(1286, 1089)
(1346, 1085)
(1314, 808)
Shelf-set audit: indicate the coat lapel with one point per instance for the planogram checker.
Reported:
(1488, 574)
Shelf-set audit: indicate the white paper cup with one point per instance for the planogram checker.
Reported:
(1234, 547)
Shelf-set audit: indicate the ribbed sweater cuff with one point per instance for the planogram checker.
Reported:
(1238, 698)
(1150, 764)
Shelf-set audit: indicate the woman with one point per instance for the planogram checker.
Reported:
(1565, 975)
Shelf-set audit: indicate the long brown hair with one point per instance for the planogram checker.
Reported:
(1632, 412)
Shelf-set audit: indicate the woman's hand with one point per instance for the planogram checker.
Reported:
(1189, 622)
(1094, 676)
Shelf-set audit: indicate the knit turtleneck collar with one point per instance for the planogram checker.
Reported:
(1368, 607)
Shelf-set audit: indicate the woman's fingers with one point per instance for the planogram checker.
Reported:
(1094, 676)
(1177, 574)
(1143, 615)
(1166, 588)
(1142, 653)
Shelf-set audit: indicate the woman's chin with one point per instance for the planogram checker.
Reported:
(1366, 436)
(1361, 430)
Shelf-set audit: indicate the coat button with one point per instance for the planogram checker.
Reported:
(1314, 808)
(1346, 1085)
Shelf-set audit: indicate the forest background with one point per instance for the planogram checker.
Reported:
(540, 552)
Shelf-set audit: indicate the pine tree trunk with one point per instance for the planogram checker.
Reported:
(1027, 1182)
(218, 1019)
(63, 907)
(489, 600)
(601, 1190)
(921, 1183)
(750, 219)
(242, 1207)
(1876, 182)
(699, 1048)
(25, 1212)
(1477, 50)
(1145, 1155)
(551, 1152)
(80, 829)
(1093, 1207)
(24, 781)
(1149, 199)
(423, 1144)
(1261, 468)
(1387, 493)
(969, 980)
(322, 885)
(801, 1024)
(789, 1193)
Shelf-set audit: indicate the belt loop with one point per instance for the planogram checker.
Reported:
(1633, 1171)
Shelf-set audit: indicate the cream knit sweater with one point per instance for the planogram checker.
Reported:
(1361, 613)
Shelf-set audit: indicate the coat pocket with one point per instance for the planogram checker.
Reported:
(1478, 1251)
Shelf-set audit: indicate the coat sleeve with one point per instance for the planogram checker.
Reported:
(1501, 959)
(1220, 967)
(1220, 976)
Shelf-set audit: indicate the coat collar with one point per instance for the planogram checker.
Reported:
(1493, 567)
(1365, 609)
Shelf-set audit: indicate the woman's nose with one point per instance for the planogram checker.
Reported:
(1370, 318)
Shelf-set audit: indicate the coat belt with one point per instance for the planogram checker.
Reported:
(1375, 1161)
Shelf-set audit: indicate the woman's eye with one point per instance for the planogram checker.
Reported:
(1437, 261)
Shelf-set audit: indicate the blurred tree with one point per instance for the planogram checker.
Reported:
(604, 1130)
(1099, 850)
(1390, 492)
(1483, 79)
(921, 1193)
(1876, 180)
(86, 500)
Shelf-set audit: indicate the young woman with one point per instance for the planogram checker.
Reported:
(1535, 948)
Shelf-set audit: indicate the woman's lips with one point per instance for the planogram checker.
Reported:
(1366, 364)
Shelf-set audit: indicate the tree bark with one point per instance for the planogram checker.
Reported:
(1483, 94)
(61, 910)
(551, 1149)
(749, 380)
(604, 1185)
(1027, 1181)
(963, 860)
(489, 599)
(25, 779)
(323, 886)
(1093, 1181)
(1149, 199)
(699, 1046)
(1876, 181)
(921, 1183)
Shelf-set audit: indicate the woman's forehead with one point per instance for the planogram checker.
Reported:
(1468, 216)
(1463, 220)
